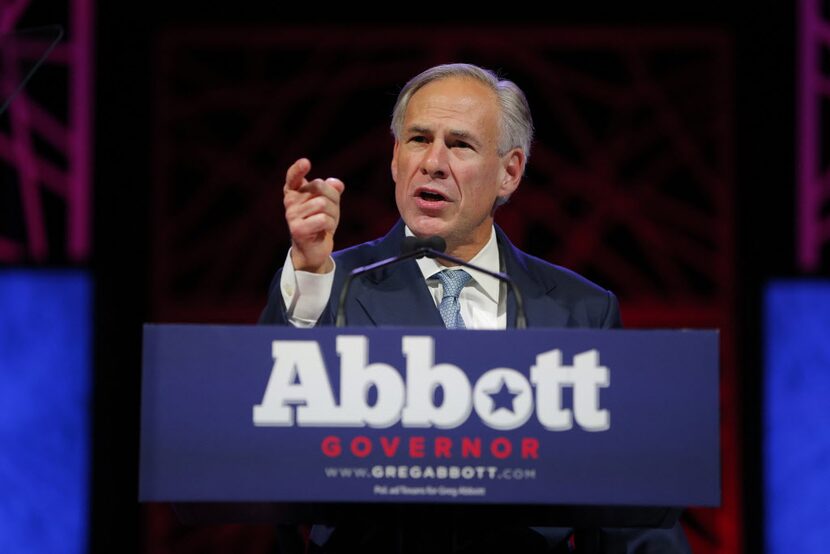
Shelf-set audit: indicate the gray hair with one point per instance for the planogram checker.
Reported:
(516, 124)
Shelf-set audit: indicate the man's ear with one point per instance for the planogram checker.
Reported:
(513, 165)
(394, 164)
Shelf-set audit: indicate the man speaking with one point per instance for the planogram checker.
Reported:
(462, 141)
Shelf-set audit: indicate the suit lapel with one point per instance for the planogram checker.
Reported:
(540, 303)
(398, 295)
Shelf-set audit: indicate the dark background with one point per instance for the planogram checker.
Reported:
(153, 260)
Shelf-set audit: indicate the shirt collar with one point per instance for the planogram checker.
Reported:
(486, 258)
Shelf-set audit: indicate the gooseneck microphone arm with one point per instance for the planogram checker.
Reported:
(432, 247)
(415, 253)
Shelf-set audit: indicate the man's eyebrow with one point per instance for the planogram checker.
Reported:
(461, 134)
(464, 135)
(417, 129)
(456, 134)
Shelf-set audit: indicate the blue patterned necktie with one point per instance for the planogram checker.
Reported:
(453, 280)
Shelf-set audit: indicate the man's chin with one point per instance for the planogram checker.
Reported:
(428, 227)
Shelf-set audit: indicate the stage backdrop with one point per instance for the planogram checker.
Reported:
(630, 180)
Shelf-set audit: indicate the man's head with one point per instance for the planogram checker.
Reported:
(462, 138)
(516, 125)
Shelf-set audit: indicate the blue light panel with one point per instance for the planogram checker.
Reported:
(45, 375)
(797, 417)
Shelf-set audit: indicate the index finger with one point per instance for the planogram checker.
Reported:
(296, 173)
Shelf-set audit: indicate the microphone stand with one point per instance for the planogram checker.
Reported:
(419, 252)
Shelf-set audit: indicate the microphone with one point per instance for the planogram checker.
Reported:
(431, 247)
(436, 243)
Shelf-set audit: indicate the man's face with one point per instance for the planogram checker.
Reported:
(446, 167)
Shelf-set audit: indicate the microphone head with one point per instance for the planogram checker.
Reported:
(411, 244)
(436, 243)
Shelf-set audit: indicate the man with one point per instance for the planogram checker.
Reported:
(462, 140)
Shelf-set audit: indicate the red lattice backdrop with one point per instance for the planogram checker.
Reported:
(630, 180)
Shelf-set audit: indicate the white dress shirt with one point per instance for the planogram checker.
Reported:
(483, 300)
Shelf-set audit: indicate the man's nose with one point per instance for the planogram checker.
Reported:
(436, 161)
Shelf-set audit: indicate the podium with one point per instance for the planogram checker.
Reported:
(536, 427)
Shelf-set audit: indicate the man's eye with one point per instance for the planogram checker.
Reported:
(418, 139)
(460, 144)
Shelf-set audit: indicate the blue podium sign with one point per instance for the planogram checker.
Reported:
(409, 415)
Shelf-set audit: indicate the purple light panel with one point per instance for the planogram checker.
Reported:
(796, 416)
(45, 383)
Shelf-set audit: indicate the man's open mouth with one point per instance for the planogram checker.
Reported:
(431, 196)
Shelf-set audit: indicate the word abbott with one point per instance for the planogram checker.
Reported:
(502, 397)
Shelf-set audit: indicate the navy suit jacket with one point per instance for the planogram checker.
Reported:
(399, 296)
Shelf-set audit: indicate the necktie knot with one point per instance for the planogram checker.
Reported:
(452, 280)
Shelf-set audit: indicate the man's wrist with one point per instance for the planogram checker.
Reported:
(304, 293)
(301, 263)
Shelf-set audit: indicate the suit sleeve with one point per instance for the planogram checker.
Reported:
(298, 298)
(274, 312)
(612, 319)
